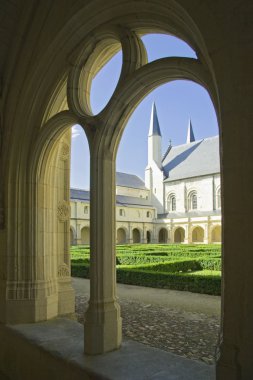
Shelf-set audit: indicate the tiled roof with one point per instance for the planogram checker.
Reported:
(84, 195)
(129, 180)
(192, 160)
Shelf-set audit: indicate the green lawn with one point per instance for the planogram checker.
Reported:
(195, 268)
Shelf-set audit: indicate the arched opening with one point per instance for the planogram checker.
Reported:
(106, 77)
(121, 236)
(136, 236)
(163, 236)
(104, 199)
(85, 235)
(198, 235)
(160, 45)
(148, 235)
(179, 235)
(216, 234)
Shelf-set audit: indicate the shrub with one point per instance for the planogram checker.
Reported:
(178, 281)
(170, 266)
(80, 270)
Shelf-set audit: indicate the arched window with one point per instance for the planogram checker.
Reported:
(122, 212)
(218, 198)
(148, 214)
(171, 202)
(86, 209)
(193, 201)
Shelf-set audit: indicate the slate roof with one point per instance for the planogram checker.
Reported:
(192, 160)
(84, 195)
(189, 214)
(81, 195)
(129, 180)
(124, 200)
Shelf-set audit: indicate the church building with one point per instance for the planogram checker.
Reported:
(180, 201)
(50, 51)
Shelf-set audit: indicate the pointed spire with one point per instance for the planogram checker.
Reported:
(154, 129)
(190, 134)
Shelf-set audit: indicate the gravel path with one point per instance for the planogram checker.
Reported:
(190, 334)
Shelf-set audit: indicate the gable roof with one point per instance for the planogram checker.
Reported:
(129, 180)
(84, 195)
(192, 160)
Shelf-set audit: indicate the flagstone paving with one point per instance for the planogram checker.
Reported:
(186, 333)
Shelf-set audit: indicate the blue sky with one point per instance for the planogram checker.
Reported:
(176, 102)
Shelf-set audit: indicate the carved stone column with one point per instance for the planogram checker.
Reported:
(103, 325)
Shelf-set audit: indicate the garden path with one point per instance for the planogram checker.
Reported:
(184, 323)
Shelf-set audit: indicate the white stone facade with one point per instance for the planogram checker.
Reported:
(184, 210)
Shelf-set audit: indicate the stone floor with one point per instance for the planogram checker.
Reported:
(190, 334)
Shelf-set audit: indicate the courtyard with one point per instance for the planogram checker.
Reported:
(183, 323)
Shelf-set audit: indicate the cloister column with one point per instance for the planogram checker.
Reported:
(78, 234)
(206, 240)
(186, 235)
(130, 235)
(103, 324)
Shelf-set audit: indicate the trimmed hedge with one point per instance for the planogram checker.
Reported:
(177, 281)
(169, 266)
(80, 270)
(183, 265)
(207, 284)
(161, 266)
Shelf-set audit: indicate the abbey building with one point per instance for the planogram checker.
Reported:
(180, 201)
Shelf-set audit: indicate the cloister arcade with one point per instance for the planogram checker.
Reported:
(50, 52)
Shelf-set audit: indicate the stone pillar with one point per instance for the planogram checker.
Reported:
(186, 234)
(144, 235)
(103, 324)
(78, 234)
(130, 234)
(206, 240)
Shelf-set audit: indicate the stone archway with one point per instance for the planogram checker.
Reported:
(198, 235)
(216, 234)
(121, 236)
(163, 236)
(85, 235)
(136, 236)
(179, 235)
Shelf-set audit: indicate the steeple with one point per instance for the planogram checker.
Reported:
(154, 128)
(190, 134)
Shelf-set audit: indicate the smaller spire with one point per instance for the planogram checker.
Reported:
(154, 129)
(190, 134)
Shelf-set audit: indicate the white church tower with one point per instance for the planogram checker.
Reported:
(153, 172)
